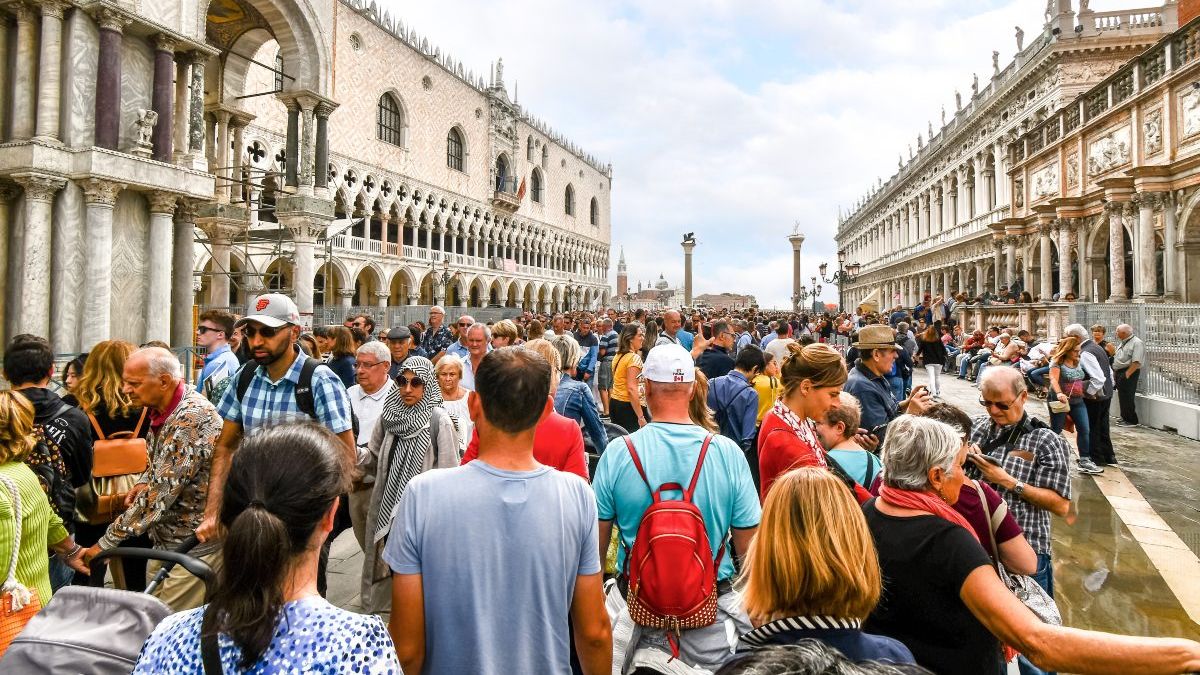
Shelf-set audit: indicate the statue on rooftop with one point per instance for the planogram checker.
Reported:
(957, 101)
(995, 62)
(1020, 38)
(974, 84)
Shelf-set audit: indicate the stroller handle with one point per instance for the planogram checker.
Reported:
(179, 556)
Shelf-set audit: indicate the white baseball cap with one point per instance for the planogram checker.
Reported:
(669, 363)
(273, 310)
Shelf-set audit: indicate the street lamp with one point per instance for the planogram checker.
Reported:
(848, 275)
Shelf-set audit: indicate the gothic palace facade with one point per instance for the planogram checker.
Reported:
(159, 155)
(1073, 169)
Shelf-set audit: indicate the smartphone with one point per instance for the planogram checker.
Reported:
(987, 458)
(876, 430)
(706, 330)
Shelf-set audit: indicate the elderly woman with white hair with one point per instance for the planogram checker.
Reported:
(449, 371)
(943, 599)
(573, 399)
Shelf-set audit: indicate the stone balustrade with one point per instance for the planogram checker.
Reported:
(1045, 320)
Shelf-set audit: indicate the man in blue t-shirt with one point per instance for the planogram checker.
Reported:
(669, 447)
(493, 562)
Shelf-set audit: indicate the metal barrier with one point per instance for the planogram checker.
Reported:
(1171, 335)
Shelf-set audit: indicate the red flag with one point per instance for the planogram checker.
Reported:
(521, 191)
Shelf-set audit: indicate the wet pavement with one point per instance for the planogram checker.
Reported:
(1105, 579)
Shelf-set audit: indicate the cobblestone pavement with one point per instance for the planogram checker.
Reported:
(1105, 576)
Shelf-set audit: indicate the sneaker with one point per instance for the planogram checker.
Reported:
(1123, 423)
(1089, 467)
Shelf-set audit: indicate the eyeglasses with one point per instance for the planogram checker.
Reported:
(995, 404)
(464, 324)
(359, 365)
(265, 331)
(208, 329)
(403, 382)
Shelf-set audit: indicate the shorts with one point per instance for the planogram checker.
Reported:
(604, 377)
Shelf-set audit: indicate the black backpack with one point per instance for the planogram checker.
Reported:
(46, 462)
(304, 395)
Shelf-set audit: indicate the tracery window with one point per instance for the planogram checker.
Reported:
(454, 149)
(391, 121)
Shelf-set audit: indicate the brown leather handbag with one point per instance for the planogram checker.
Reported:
(117, 462)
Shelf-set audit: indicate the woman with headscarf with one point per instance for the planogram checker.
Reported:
(415, 433)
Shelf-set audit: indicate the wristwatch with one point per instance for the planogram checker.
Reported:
(1018, 489)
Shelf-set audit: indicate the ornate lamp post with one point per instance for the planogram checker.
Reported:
(848, 275)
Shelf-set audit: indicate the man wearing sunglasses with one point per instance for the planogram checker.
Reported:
(270, 335)
(459, 346)
(215, 327)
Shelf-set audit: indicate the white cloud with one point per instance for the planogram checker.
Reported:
(733, 119)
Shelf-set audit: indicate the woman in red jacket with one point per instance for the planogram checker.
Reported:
(812, 378)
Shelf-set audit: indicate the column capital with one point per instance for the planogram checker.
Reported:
(102, 192)
(54, 8)
(346, 293)
(162, 202)
(165, 43)
(110, 19)
(8, 192)
(382, 295)
(324, 109)
(25, 12)
(40, 187)
(197, 57)
(187, 211)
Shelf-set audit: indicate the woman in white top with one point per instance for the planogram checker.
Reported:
(454, 396)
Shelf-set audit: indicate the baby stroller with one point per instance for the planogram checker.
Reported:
(97, 630)
(593, 453)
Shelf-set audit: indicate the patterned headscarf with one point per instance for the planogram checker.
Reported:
(410, 427)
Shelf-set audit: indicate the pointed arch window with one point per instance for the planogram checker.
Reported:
(535, 185)
(569, 201)
(454, 149)
(390, 127)
(594, 212)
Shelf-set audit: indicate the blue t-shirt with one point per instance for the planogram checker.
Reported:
(312, 636)
(686, 339)
(498, 553)
(725, 493)
(860, 464)
(218, 365)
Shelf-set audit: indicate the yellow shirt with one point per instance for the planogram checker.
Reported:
(621, 365)
(768, 389)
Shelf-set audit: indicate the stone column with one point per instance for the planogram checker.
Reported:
(7, 193)
(1116, 251)
(797, 240)
(25, 73)
(160, 252)
(1065, 225)
(183, 295)
(306, 151)
(49, 97)
(196, 112)
(688, 247)
(1147, 280)
(946, 282)
(998, 264)
(237, 180)
(34, 311)
(980, 279)
(96, 325)
(1010, 261)
(218, 280)
(224, 175)
(346, 298)
(1170, 255)
(292, 145)
(304, 269)
(164, 70)
(179, 141)
(322, 112)
(108, 78)
(381, 300)
(1045, 262)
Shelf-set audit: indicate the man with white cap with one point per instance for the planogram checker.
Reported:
(279, 384)
(669, 451)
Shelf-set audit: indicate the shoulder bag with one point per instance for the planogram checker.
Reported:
(1024, 587)
(117, 462)
(18, 604)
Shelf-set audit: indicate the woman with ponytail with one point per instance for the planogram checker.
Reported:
(277, 508)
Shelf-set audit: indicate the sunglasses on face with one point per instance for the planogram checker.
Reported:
(1003, 407)
(464, 324)
(265, 331)
(208, 329)
(415, 381)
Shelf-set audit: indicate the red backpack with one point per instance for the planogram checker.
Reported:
(671, 572)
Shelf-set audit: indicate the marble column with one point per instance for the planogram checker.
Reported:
(218, 277)
(321, 169)
(346, 299)
(1170, 255)
(1147, 279)
(998, 264)
(25, 73)
(1116, 251)
(180, 114)
(291, 176)
(1045, 263)
(1010, 261)
(980, 279)
(183, 295)
(1065, 225)
(96, 324)
(34, 311)
(160, 252)
(164, 71)
(49, 97)
(381, 300)
(797, 241)
(306, 151)
(7, 193)
(5, 93)
(196, 109)
(304, 268)
(237, 179)
(108, 78)
(224, 175)
(688, 247)
(946, 282)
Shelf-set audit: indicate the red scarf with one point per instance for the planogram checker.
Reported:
(924, 501)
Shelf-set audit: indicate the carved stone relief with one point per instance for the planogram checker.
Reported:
(1109, 151)
(1190, 103)
(1045, 181)
(1152, 132)
(1087, 73)
(1072, 170)
(1019, 191)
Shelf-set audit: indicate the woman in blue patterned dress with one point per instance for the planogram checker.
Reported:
(278, 507)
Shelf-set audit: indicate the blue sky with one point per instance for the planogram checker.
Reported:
(735, 119)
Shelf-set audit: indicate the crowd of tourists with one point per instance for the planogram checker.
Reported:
(620, 492)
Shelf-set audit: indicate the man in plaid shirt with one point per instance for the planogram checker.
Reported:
(271, 335)
(437, 337)
(1034, 473)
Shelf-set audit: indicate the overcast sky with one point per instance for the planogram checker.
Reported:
(735, 119)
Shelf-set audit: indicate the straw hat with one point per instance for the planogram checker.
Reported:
(876, 337)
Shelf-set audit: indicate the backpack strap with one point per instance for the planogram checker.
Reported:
(687, 495)
(304, 393)
(245, 377)
(137, 431)
(100, 432)
(637, 464)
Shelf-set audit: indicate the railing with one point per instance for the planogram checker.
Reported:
(973, 226)
(1127, 20)
(1046, 320)
(388, 317)
(1171, 335)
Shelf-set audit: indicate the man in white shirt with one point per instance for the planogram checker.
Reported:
(367, 399)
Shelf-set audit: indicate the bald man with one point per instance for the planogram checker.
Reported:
(1127, 370)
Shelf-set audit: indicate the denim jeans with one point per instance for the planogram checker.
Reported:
(60, 575)
(1044, 576)
(1038, 375)
(1079, 416)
